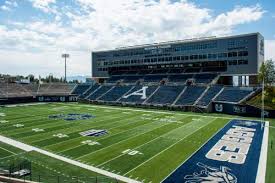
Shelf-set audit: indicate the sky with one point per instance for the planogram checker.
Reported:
(34, 33)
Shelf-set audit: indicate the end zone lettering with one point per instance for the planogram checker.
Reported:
(233, 146)
(232, 155)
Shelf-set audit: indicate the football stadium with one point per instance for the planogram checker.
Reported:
(178, 111)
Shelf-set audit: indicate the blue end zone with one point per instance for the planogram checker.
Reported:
(231, 156)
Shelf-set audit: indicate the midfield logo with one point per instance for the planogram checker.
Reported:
(211, 174)
(141, 92)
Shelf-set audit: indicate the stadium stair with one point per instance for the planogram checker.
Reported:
(88, 96)
(233, 95)
(125, 94)
(145, 101)
(208, 96)
(179, 96)
(98, 98)
(202, 95)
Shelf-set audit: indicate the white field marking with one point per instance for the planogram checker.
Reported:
(90, 142)
(3, 121)
(26, 147)
(2, 114)
(123, 140)
(11, 156)
(80, 128)
(61, 135)
(7, 150)
(18, 125)
(51, 133)
(263, 156)
(38, 130)
(209, 122)
(195, 151)
(163, 112)
(22, 105)
(189, 123)
(102, 137)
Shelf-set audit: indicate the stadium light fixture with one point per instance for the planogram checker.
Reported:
(65, 56)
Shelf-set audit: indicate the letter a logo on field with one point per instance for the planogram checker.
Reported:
(141, 92)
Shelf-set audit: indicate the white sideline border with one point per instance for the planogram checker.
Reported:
(261, 172)
(29, 148)
(162, 112)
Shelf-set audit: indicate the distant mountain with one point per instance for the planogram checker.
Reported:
(79, 78)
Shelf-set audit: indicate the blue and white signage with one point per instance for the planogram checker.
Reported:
(231, 156)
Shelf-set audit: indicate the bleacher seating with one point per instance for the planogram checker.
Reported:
(209, 95)
(204, 78)
(114, 79)
(80, 89)
(115, 93)
(180, 78)
(103, 89)
(166, 95)
(190, 95)
(136, 98)
(89, 91)
(154, 78)
(55, 89)
(14, 90)
(132, 79)
(233, 94)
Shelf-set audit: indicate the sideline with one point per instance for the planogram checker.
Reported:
(29, 148)
(263, 156)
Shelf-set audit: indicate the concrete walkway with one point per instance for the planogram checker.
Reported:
(29, 148)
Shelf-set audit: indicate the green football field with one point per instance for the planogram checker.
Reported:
(142, 144)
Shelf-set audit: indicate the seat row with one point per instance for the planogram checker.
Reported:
(176, 95)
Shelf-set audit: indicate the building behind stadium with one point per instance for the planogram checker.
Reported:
(236, 59)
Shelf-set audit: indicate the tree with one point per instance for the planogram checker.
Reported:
(267, 73)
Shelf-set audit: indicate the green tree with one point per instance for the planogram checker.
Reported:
(267, 73)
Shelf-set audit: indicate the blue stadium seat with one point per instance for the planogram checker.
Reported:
(132, 79)
(115, 93)
(209, 95)
(114, 79)
(81, 88)
(89, 91)
(190, 95)
(166, 95)
(180, 78)
(154, 78)
(103, 89)
(204, 78)
(136, 98)
(233, 94)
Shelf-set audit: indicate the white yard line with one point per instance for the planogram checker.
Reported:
(263, 157)
(28, 148)
(209, 122)
(12, 155)
(135, 148)
(122, 140)
(7, 150)
(195, 151)
(136, 121)
(162, 112)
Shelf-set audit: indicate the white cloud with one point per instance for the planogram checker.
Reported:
(104, 24)
(270, 49)
(17, 62)
(9, 5)
(44, 5)
(5, 8)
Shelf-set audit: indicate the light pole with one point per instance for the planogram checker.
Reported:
(65, 55)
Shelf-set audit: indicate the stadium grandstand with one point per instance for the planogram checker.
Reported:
(194, 74)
